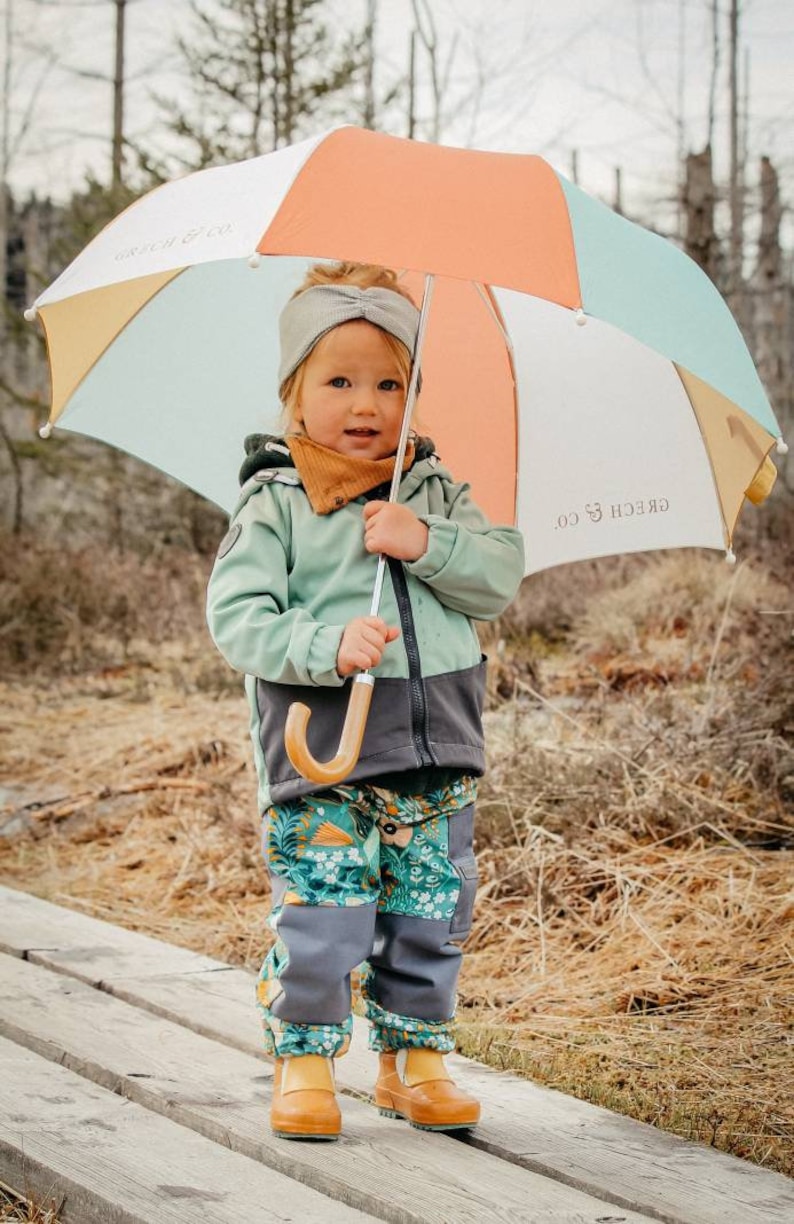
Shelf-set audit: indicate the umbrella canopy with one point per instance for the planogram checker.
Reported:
(581, 372)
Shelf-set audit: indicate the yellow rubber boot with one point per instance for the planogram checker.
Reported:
(304, 1099)
(424, 1094)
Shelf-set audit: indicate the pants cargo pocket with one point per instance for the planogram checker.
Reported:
(464, 864)
(466, 869)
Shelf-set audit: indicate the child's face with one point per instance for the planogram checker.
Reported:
(353, 393)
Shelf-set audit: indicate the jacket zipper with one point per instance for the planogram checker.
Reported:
(420, 726)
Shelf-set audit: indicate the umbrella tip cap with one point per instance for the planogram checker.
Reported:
(46, 430)
(254, 260)
(781, 447)
(730, 556)
(31, 314)
(580, 316)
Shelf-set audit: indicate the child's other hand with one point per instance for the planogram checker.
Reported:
(363, 643)
(394, 530)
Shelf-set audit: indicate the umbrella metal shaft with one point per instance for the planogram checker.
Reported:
(410, 401)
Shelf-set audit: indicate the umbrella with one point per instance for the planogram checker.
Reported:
(580, 371)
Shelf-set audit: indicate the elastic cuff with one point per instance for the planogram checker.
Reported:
(321, 662)
(390, 1031)
(440, 544)
(282, 1039)
(431, 1037)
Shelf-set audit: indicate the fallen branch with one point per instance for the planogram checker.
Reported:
(57, 809)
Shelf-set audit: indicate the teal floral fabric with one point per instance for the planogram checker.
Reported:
(388, 1031)
(360, 845)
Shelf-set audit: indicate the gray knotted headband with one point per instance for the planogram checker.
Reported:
(306, 318)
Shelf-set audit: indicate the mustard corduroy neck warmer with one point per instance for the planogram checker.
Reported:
(332, 480)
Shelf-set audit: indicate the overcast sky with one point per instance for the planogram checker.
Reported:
(612, 79)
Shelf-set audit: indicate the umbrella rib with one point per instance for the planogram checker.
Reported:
(718, 492)
(493, 310)
(486, 297)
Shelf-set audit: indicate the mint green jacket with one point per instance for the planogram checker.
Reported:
(285, 583)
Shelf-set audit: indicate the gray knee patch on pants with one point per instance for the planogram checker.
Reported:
(415, 967)
(324, 943)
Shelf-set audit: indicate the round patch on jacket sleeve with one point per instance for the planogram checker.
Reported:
(229, 540)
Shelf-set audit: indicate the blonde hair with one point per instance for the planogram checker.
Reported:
(363, 276)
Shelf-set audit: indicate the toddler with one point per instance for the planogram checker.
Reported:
(378, 871)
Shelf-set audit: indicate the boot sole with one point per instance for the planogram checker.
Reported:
(280, 1134)
(427, 1126)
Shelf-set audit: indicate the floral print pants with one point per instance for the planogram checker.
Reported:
(362, 876)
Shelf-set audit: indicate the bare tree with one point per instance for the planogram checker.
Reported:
(412, 86)
(16, 127)
(5, 141)
(439, 72)
(118, 94)
(735, 183)
(27, 64)
(698, 206)
(715, 70)
(117, 79)
(773, 307)
(369, 109)
(21, 90)
(260, 71)
(455, 62)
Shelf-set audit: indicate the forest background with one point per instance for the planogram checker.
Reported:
(636, 826)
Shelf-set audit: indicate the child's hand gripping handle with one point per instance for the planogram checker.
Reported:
(338, 768)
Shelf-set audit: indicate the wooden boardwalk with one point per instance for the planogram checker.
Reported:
(133, 1089)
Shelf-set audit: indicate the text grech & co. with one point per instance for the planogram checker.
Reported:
(597, 512)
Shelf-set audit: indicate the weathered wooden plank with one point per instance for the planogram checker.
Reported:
(664, 1176)
(112, 1162)
(223, 1094)
(208, 996)
(95, 950)
(604, 1153)
(592, 1149)
(222, 1004)
(595, 1150)
(622, 1161)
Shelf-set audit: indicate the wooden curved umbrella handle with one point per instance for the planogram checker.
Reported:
(338, 768)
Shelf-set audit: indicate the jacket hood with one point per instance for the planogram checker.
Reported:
(271, 451)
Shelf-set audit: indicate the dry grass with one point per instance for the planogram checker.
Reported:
(14, 1209)
(74, 609)
(635, 836)
(633, 940)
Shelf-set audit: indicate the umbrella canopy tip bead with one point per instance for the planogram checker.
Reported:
(730, 556)
(254, 260)
(781, 447)
(580, 316)
(46, 430)
(30, 315)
